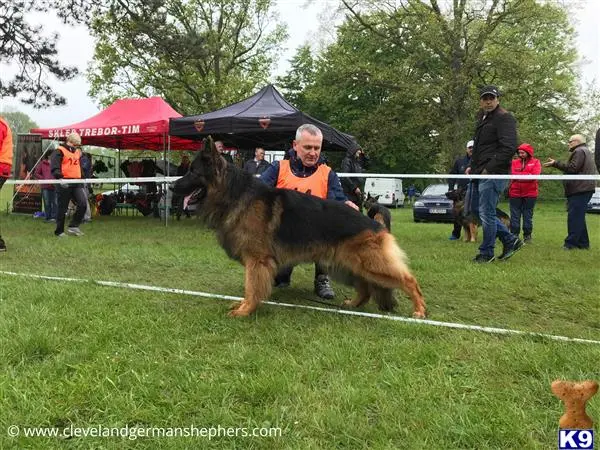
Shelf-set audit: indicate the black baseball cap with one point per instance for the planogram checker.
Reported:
(489, 89)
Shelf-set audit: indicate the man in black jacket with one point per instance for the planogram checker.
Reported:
(495, 143)
(353, 162)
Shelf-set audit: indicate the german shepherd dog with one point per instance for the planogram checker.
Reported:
(470, 222)
(266, 228)
(378, 212)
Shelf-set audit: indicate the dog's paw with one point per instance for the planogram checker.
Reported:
(349, 303)
(419, 315)
(239, 312)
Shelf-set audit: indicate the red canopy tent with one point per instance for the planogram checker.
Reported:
(131, 123)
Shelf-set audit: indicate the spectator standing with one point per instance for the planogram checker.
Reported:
(353, 162)
(495, 143)
(257, 165)
(578, 192)
(459, 168)
(221, 149)
(523, 194)
(43, 172)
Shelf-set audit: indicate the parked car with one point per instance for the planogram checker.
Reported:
(593, 205)
(389, 191)
(433, 206)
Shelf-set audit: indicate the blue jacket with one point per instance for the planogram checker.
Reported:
(334, 187)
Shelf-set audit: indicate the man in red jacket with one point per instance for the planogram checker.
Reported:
(523, 193)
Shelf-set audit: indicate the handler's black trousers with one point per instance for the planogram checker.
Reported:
(65, 194)
(285, 273)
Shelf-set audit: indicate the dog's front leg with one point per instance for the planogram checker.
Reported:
(259, 281)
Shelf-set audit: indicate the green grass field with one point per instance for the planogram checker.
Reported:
(83, 355)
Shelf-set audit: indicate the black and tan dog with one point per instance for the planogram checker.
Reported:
(470, 222)
(378, 212)
(265, 228)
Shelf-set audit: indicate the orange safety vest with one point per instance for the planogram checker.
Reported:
(71, 167)
(6, 147)
(316, 184)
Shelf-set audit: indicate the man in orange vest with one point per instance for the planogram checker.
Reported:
(6, 156)
(65, 164)
(306, 172)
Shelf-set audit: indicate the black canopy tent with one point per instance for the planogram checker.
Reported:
(264, 119)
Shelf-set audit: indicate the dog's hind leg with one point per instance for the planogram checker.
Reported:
(258, 285)
(473, 231)
(363, 293)
(411, 287)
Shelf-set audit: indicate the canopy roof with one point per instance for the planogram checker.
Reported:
(265, 119)
(131, 123)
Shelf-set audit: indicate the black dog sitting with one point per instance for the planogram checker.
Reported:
(378, 212)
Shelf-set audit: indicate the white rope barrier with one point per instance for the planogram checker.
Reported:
(164, 179)
(492, 330)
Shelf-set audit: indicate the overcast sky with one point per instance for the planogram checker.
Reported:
(302, 18)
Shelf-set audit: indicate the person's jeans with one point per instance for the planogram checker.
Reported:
(489, 194)
(521, 207)
(65, 194)
(576, 226)
(50, 205)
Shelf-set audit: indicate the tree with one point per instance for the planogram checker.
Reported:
(300, 76)
(198, 54)
(33, 55)
(19, 122)
(411, 69)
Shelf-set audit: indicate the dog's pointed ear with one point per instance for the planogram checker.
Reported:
(376, 198)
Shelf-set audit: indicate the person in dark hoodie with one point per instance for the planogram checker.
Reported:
(495, 143)
(353, 162)
(65, 164)
(523, 194)
(460, 166)
(578, 192)
(305, 172)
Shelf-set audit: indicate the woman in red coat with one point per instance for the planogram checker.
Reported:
(523, 193)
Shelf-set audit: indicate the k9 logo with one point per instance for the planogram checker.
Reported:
(575, 439)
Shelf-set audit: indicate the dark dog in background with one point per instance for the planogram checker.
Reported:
(266, 228)
(378, 212)
(470, 222)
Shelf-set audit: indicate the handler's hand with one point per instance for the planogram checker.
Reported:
(351, 204)
(549, 163)
(467, 171)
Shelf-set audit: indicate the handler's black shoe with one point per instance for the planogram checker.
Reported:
(323, 288)
(2, 245)
(511, 249)
(482, 259)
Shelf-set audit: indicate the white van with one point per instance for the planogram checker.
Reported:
(389, 190)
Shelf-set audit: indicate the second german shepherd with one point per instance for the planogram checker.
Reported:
(265, 228)
(378, 212)
(470, 222)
